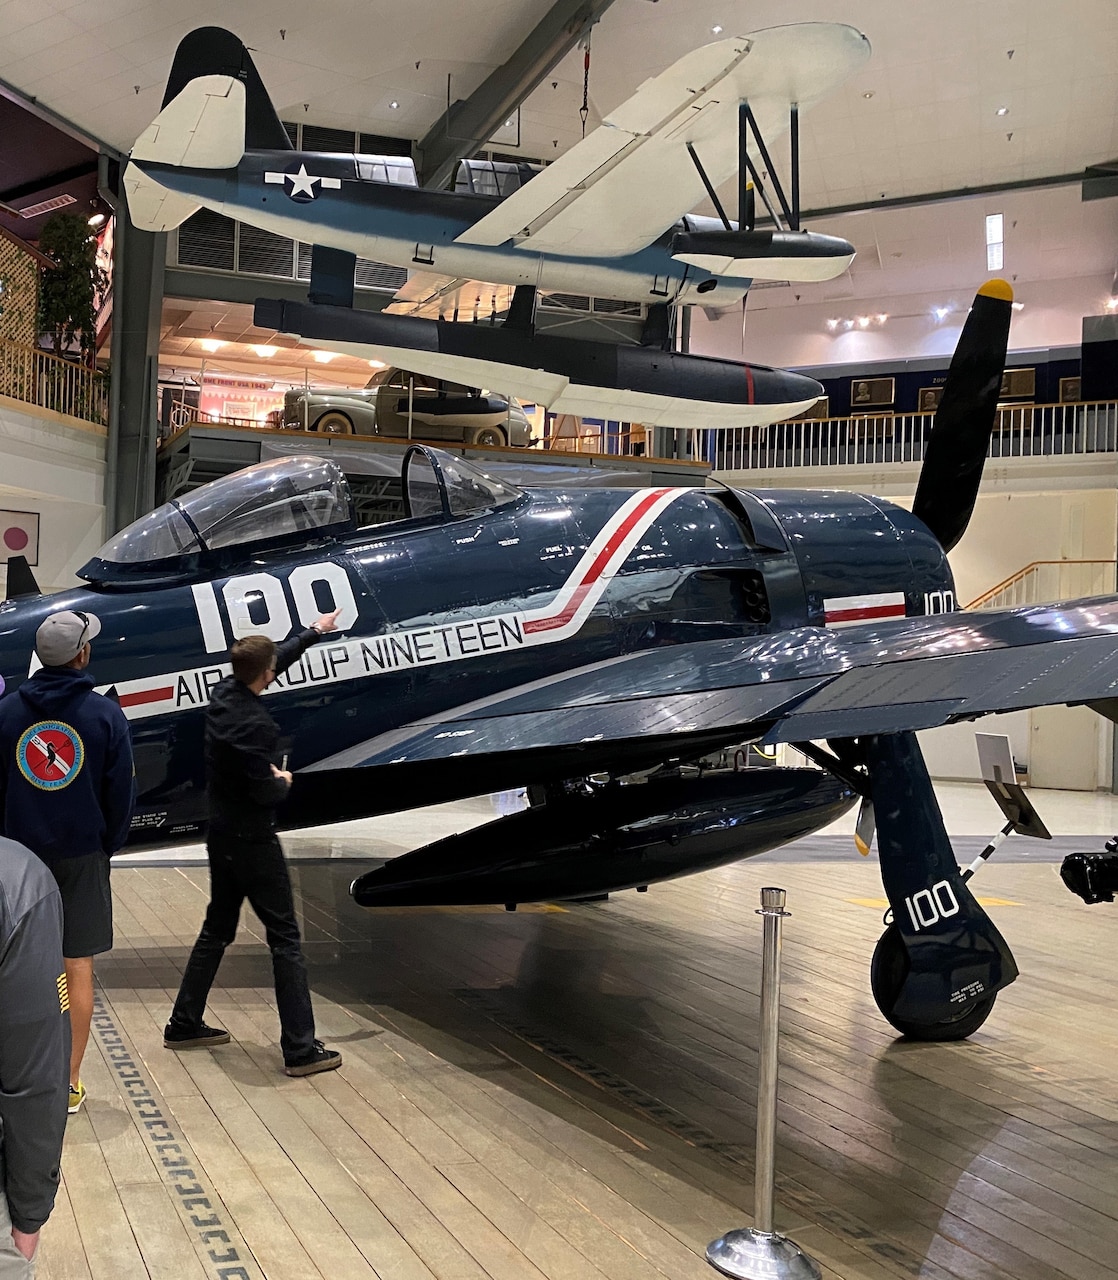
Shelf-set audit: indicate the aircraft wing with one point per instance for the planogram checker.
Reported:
(438, 297)
(623, 186)
(793, 686)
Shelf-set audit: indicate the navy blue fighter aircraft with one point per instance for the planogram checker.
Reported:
(584, 644)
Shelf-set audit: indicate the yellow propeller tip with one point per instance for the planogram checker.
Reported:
(997, 289)
(861, 846)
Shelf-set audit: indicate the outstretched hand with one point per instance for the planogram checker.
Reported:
(328, 622)
(285, 774)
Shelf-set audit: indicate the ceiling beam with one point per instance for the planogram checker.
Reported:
(466, 126)
(68, 127)
(58, 179)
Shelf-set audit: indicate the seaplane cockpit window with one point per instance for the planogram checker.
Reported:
(396, 171)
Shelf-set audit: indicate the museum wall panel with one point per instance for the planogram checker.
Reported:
(51, 467)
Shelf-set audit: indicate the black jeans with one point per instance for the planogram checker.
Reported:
(256, 870)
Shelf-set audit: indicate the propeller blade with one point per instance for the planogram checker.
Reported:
(865, 827)
(964, 422)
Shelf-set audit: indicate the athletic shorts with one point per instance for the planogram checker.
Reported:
(87, 904)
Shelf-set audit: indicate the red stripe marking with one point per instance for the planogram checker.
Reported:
(870, 611)
(595, 571)
(749, 383)
(146, 695)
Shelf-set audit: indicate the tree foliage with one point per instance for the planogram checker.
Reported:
(67, 291)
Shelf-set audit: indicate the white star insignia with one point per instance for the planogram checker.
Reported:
(302, 184)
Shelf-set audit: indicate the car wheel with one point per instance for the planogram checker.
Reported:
(335, 424)
(486, 435)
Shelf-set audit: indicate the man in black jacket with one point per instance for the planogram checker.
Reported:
(244, 785)
(34, 1053)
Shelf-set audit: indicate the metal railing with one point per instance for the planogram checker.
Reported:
(39, 378)
(1027, 431)
(1046, 581)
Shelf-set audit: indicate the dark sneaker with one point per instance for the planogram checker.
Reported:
(201, 1037)
(319, 1059)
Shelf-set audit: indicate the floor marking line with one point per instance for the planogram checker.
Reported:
(224, 1254)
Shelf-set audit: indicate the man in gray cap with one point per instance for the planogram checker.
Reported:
(66, 792)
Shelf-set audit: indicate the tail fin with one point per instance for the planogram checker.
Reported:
(957, 446)
(213, 51)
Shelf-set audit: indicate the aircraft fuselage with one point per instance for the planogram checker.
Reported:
(417, 229)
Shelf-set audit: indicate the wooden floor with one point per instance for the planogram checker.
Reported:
(569, 1093)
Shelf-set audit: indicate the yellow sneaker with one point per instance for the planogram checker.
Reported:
(77, 1097)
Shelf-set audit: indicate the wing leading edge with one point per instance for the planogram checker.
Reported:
(808, 683)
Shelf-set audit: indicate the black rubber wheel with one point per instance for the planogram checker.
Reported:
(888, 970)
(487, 435)
(334, 423)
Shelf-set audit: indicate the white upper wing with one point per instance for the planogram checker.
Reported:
(631, 179)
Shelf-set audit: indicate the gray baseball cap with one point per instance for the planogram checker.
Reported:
(63, 635)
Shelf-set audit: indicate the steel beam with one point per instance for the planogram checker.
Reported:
(466, 126)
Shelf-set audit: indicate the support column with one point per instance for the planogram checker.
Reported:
(138, 262)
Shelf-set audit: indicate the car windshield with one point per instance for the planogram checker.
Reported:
(260, 503)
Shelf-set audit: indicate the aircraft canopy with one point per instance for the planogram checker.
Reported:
(269, 501)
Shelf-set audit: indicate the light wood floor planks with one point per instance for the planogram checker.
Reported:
(568, 1094)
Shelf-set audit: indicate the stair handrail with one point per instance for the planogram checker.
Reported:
(1014, 578)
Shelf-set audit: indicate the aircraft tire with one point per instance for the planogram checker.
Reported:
(888, 970)
(334, 423)
(486, 435)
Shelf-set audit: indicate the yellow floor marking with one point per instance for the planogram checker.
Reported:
(881, 903)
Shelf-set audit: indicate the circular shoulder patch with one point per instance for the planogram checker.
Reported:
(50, 755)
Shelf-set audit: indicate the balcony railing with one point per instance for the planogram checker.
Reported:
(1027, 431)
(1046, 581)
(37, 377)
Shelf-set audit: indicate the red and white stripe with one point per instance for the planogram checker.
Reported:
(848, 611)
(598, 566)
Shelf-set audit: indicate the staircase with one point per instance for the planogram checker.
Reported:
(1049, 581)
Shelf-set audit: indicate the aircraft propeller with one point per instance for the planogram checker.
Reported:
(964, 421)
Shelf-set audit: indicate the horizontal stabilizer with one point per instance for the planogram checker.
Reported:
(202, 127)
(151, 206)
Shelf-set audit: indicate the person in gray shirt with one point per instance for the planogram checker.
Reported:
(34, 1054)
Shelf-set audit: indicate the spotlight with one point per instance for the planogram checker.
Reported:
(1002, 111)
(717, 31)
(377, 364)
(863, 322)
(324, 357)
(1112, 304)
(95, 220)
(881, 318)
(848, 324)
(394, 106)
(212, 344)
(940, 312)
(832, 324)
(264, 351)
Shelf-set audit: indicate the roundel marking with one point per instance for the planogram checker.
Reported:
(50, 755)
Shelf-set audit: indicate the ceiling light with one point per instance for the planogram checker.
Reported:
(211, 344)
(264, 351)
(832, 324)
(324, 357)
(868, 93)
(1002, 111)
(95, 220)
(716, 31)
(47, 206)
(377, 364)
(394, 106)
(848, 324)
(1020, 306)
(863, 322)
(882, 318)
(1112, 304)
(941, 312)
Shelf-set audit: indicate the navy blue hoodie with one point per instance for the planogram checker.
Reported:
(66, 777)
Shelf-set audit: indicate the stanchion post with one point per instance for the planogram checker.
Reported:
(758, 1252)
